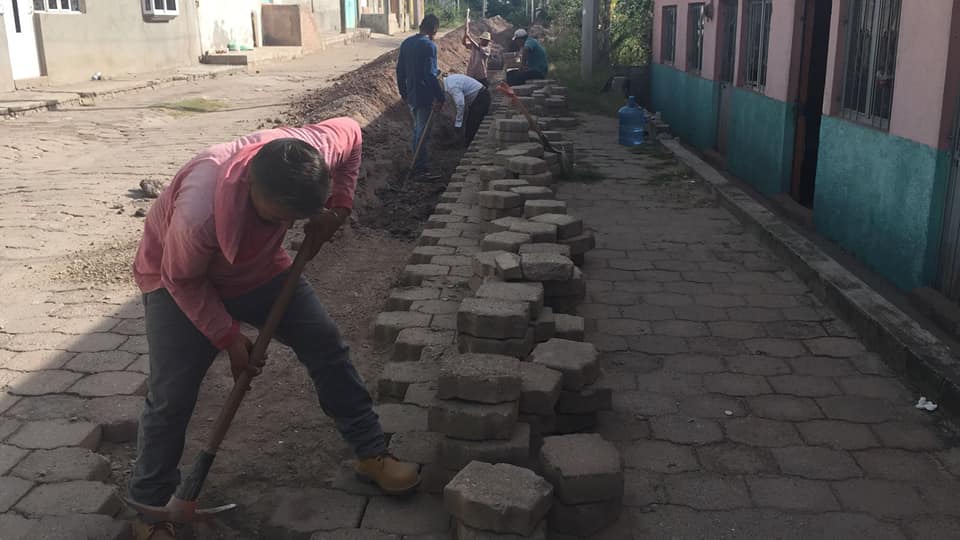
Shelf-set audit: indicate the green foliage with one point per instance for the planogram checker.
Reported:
(631, 26)
(584, 95)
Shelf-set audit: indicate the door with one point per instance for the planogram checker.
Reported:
(727, 58)
(950, 244)
(350, 12)
(812, 84)
(21, 40)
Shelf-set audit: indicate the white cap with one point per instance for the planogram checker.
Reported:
(521, 33)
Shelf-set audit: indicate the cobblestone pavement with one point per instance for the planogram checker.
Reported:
(743, 407)
(72, 346)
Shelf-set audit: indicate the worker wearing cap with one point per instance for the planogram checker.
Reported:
(479, 55)
(469, 95)
(533, 59)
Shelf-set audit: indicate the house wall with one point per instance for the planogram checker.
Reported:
(880, 194)
(112, 37)
(6, 74)
(326, 13)
(223, 21)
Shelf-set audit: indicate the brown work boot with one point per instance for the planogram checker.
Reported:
(392, 476)
(162, 530)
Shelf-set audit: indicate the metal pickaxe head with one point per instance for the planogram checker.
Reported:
(178, 510)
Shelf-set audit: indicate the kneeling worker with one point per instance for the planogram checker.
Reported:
(471, 94)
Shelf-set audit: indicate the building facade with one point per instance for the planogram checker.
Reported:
(849, 107)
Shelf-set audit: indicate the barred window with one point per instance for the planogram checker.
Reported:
(758, 43)
(695, 37)
(873, 28)
(57, 6)
(668, 37)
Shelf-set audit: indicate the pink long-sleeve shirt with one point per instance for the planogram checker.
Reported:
(203, 241)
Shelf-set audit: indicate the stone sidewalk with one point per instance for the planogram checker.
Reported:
(743, 407)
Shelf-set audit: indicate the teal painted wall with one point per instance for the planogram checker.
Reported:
(881, 198)
(760, 141)
(688, 103)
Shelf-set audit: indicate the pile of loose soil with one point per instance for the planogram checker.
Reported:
(369, 96)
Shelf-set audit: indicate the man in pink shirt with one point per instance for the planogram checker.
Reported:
(211, 256)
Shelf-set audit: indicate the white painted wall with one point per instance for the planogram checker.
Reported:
(222, 21)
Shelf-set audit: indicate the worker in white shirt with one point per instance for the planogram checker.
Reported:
(469, 94)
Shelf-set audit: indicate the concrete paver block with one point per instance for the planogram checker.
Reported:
(416, 446)
(500, 200)
(505, 241)
(39, 383)
(493, 318)
(532, 293)
(473, 421)
(485, 262)
(388, 324)
(583, 520)
(505, 223)
(425, 254)
(532, 209)
(567, 226)
(588, 400)
(430, 237)
(398, 376)
(539, 232)
(50, 434)
(484, 378)
(415, 515)
(310, 509)
(544, 179)
(10, 456)
(103, 361)
(500, 498)
(545, 327)
(402, 299)
(583, 468)
(508, 266)
(62, 465)
(111, 383)
(540, 388)
(64, 498)
(506, 184)
(397, 417)
(515, 347)
(16, 527)
(571, 327)
(536, 247)
(466, 532)
(581, 243)
(411, 342)
(413, 275)
(577, 361)
(526, 165)
(532, 193)
(80, 526)
(11, 490)
(512, 124)
(456, 453)
(546, 267)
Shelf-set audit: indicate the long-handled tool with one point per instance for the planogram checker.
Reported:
(423, 137)
(182, 507)
(565, 163)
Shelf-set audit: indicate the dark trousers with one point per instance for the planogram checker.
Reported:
(517, 77)
(475, 114)
(180, 356)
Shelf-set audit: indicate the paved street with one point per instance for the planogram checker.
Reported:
(742, 406)
(72, 346)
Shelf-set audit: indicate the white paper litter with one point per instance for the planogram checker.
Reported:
(925, 404)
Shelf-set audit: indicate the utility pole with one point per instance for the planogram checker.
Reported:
(588, 40)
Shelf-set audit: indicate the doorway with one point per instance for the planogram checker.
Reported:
(21, 39)
(813, 78)
(726, 60)
(949, 278)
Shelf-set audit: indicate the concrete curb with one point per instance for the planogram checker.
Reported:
(902, 343)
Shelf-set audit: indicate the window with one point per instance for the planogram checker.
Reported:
(873, 28)
(668, 35)
(758, 43)
(160, 10)
(695, 37)
(57, 6)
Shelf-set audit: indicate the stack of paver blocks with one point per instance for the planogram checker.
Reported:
(579, 400)
(498, 501)
(507, 131)
(500, 319)
(587, 476)
(476, 412)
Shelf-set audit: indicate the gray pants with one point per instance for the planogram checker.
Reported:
(180, 356)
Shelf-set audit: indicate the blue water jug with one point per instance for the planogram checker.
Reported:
(632, 123)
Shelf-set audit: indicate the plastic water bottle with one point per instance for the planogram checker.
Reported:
(632, 123)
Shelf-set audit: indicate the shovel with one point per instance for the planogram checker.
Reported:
(565, 163)
(182, 507)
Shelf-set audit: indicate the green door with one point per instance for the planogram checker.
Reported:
(350, 7)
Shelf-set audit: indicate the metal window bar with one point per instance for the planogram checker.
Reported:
(758, 43)
(872, 38)
(695, 37)
(668, 43)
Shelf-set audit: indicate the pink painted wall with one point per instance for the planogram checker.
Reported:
(918, 92)
(781, 60)
(951, 97)
(833, 91)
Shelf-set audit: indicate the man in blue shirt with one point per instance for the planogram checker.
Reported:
(417, 81)
(533, 60)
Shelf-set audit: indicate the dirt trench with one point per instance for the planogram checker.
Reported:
(281, 438)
